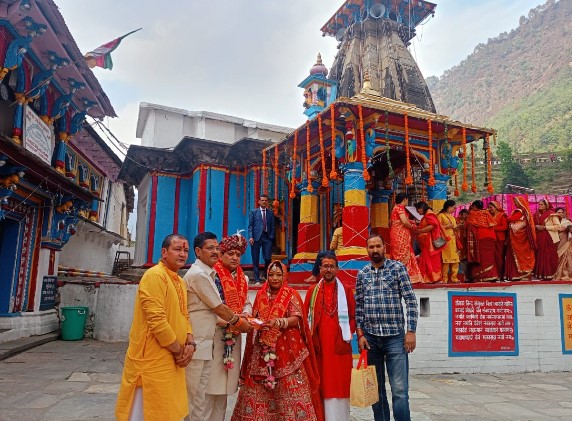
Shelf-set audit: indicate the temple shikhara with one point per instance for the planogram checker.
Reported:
(371, 131)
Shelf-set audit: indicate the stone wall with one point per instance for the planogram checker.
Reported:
(538, 310)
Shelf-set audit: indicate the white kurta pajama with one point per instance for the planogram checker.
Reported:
(223, 382)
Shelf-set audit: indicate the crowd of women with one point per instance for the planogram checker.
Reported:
(482, 245)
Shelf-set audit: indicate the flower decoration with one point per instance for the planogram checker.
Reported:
(366, 176)
(430, 144)
(310, 188)
(269, 357)
(293, 178)
(325, 181)
(408, 177)
(264, 181)
(465, 185)
(333, 172)
(229, 338)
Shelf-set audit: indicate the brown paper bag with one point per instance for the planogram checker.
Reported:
(364, 389)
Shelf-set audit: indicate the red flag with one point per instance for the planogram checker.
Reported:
(101, 56)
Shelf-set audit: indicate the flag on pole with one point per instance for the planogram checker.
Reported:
(101, 56)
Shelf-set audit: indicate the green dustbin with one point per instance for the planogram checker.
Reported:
(73, 322)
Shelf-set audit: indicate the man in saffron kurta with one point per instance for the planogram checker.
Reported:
(160, 342)
(225, 369)
(331, 314)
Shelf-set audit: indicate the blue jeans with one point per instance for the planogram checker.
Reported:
(391, 350)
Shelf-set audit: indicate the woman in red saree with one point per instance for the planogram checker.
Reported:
(547, 226)
(279, 368)
(501, 227)
(521, 242)
(481, 241)
(428, 231)
(400, 238)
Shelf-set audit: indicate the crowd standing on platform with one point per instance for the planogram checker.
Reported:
(481, 245)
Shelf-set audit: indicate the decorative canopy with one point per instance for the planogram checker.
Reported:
(408, 12)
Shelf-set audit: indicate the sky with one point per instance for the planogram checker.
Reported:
(246, 57)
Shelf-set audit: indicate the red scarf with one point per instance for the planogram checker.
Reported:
(235, 291)
(267, 311)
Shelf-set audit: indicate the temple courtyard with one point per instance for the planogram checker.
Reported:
(72, 381)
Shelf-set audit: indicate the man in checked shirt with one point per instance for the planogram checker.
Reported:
(380, 322)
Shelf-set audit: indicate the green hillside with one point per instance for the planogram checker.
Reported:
(519, 82)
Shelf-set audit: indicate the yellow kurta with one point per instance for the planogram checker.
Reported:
(450, 254)
(158, 320)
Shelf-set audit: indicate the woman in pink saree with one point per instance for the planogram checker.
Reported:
(400, 238)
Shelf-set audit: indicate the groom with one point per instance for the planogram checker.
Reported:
(261, 235)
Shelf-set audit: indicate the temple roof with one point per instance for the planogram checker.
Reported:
(59, 40)
(90, 143)
(376, 106)
(187, 155)
(414, 11)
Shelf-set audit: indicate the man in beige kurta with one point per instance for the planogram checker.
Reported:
(160, 342)
(204, 305)
(223, 380)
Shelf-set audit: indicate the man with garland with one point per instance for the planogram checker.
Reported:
(206, 309)
(225, 370)
(331, 315)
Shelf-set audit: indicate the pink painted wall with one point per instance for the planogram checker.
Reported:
(557, 201)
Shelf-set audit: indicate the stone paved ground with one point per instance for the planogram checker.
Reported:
(73, 381)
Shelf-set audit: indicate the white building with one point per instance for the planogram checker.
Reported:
(164, 127)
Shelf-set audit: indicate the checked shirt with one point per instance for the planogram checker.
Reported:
(378, 299)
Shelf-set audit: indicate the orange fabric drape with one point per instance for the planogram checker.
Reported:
(333, 172)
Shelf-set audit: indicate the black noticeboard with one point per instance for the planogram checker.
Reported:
(49, 289)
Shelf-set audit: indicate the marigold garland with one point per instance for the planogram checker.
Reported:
(293, 174)
(200, 190)
(245, 190)
(465, 185)
(456, 193)
(325, 181)
(391, 173)
(431, 181)
(256, 185)
(333, 172)
(408, 177)
(310, 188)
(264, 180)
(490, 187)
(362, 143)
(473, 183)
(276, 203)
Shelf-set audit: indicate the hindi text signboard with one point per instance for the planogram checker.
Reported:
(566, 322)
(37, 136)
(482, 324)
(49, 289)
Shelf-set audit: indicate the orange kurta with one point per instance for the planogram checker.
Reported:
(328, 341)
(158, 320)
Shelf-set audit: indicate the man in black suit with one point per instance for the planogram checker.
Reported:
(261, 235)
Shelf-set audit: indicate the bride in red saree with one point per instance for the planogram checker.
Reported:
(279, 368)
